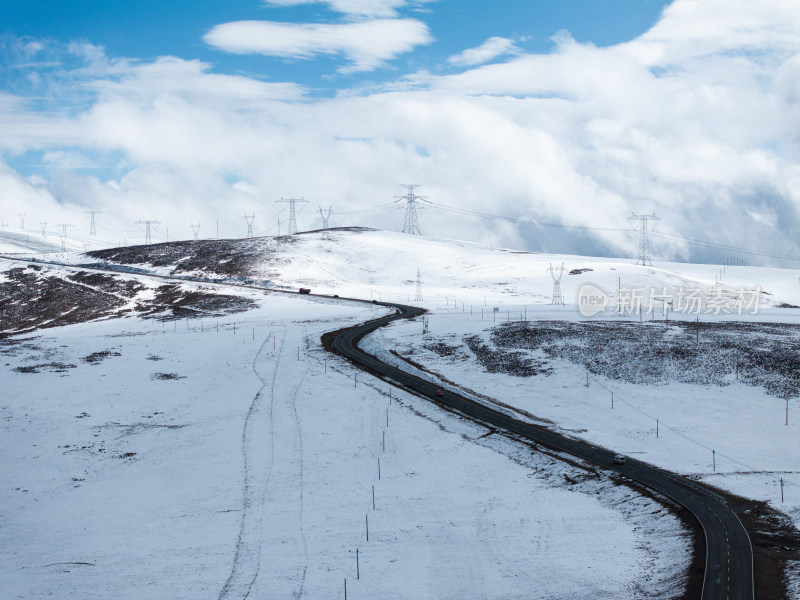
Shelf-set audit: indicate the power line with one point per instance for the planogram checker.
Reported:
(716, 246)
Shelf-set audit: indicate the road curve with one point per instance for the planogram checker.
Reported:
(729, 555)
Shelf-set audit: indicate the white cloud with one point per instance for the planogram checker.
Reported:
(366, 44)
(368, 8)
(699, 132)
(488, 50)
(696, 28)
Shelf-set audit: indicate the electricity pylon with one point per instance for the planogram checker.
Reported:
(557, 299)
(418, 295)
(92, 213)
(64, 235)
(411, 221)
(249, 219)
(44, 228)
(643, 254)
(147, 238)
(195, 229)
(22, 220)
(325, 217)
(292, 218)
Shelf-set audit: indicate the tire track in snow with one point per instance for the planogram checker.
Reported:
(246, 560)
(282, 480)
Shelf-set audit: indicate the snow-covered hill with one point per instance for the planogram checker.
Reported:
(383, 265)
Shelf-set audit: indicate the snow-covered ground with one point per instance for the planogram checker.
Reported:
(14, 240)
(217, 458)
(447, 488)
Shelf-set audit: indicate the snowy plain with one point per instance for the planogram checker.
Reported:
(439, 473)
(183, 459)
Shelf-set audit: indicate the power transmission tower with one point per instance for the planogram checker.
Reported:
(325, 217)
(195, 230)
(418, 295)
(292, 218)
(92, 213)
(557, 299)
(147, 238)
(411, 222)
(22, 220)
(44, 228)
(643, 254)
(64, 235)
(249, 219)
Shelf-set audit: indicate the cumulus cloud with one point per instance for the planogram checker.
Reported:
(366, 44)
(488, 50)
(701, 132)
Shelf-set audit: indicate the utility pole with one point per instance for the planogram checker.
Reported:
(147, 238)
(325, 217)
(292, 215)
(44, 228)
(195, 229)
(643, 254)
(249, 219)
(411, 221)
(418, 295)
(92, 213)
(557, 299)
(22, 220)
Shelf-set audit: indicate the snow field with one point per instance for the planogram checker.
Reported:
(745, 428)
(213, 464)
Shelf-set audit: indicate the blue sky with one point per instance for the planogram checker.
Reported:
(147, 29)
(571, 115)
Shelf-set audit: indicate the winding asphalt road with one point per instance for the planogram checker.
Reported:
(729, 554)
